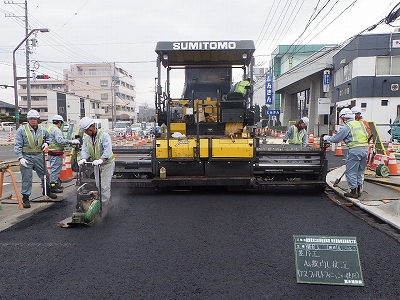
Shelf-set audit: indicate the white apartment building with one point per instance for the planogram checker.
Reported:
(112, 85)
(101, 91)
(39, 98)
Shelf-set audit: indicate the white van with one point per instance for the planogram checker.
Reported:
(121, 126)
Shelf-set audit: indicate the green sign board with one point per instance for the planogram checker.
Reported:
(327, 260)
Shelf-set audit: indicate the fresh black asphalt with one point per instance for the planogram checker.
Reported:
(204, 244)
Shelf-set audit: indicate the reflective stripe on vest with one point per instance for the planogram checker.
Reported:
(32, 146)
(53, 146)
(94, 149)
(297, 137)
(359, 134)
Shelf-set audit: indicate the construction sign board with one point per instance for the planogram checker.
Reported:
(327, 260)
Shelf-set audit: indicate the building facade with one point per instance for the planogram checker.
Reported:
(367, 74)
(112, 85)
(101, 91)
(364, 72)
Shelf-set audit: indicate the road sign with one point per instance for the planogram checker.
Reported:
(324, 106)
(326, 80)
(327, 260)
(272, 112)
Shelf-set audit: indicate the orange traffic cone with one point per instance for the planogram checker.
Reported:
(311, 139)
(389, 148)
(315, 143)
(392, 164)
(68, 168)
(339, 151)
(9, 140)
(63, 174)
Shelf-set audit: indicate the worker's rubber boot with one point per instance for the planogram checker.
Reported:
(54, 188)
(50, 193)
(25, 201)
(359, 190)
(59, 184)
(353, 193)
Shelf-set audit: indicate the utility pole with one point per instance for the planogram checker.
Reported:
(28, 68)
(113, 97)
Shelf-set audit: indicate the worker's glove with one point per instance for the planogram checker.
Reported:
(326, 138)
(23, 162)
(45, 146)
(82, 162)
(74, 142)
(97, 162)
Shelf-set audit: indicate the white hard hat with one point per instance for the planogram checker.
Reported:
(346, 113)
(356, 110)
(33, 113)
(85, 123)
(58, 118)
(305, 120)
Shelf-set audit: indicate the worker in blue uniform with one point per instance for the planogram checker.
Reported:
(97, 145)
(56, 151)
(31, 140)
(297, 133)
(355, 135)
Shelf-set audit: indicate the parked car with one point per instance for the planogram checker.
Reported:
(120, 126)
(137, 129)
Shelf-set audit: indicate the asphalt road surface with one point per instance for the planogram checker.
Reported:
(201, 245)
(204, 244)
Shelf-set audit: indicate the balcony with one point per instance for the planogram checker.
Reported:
(99, 111)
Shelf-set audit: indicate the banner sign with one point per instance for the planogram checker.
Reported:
(268, 88)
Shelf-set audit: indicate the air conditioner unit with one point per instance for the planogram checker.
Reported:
(394, 87)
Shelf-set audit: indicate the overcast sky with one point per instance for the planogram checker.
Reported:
(126, 31)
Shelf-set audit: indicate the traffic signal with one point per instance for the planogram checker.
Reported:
(42, 77)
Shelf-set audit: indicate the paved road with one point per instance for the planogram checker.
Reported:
(207, 244)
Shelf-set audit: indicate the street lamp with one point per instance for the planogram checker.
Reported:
(15, 72)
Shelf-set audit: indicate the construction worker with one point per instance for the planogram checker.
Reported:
(239, 89)
(297, 133)
(56, 151)
(31, 140)
(356, 110)
(97, 145)
(355, 135)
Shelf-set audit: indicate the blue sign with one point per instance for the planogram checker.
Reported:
(326, 78)
(272, 112)
(269, 93)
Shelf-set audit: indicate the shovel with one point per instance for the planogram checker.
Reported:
(338, 179)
